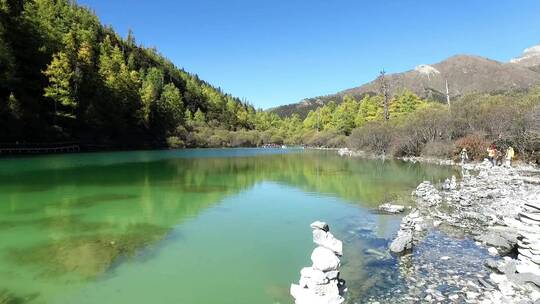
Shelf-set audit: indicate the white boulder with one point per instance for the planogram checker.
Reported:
(306, 296)
(310, 277)
(324, 259)
(327, 240)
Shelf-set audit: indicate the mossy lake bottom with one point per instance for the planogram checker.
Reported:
(223, 226)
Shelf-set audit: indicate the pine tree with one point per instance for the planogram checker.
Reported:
(150, 91)
(168, 109)
(199, 117)
(370, 109)
(60, 74)
(405, 103)
(14, 106)
(345, 114)
(188, 118)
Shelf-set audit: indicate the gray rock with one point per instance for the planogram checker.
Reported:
(495, 239)
(493, 264)
(506, 288)
(391, 208)
(485, 284)
(520, 278)
(402, 242)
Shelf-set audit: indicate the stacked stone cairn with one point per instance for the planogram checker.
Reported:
(450, 184)
(320, 283)
(427, 193)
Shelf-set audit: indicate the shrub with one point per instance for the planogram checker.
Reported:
(276, 139)
(265, 137)
(337, 141)
(529, 141)
(439, 149)
(243, 139)
(321, 139)
(174, 142)
(475, 144)
(428, 124)
(217, 140)
(374, 136)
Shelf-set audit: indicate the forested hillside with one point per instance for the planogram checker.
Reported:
(64, 76)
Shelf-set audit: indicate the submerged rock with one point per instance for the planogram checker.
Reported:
(87, 256)
(320, 283)
(403, 242)
(391, 208)
(8, 297)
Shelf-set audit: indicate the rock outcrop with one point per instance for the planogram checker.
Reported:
(320, 283)
(391, 208)
(500, 209)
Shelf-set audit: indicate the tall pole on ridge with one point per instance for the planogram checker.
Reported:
(384, 93)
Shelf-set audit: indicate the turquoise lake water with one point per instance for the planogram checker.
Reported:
(224, 226)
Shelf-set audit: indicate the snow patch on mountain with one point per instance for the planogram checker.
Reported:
(528, 53)
(427, 70)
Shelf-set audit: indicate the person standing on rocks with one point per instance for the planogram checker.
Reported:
(492, 155)
(509, 156)
(463, 156)
(499, 158)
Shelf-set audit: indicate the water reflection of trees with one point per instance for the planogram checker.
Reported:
(93, 208)
(189, 184)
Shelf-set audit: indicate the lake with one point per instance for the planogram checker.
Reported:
(224, 226)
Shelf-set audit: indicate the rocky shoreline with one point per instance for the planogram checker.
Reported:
(499, 208)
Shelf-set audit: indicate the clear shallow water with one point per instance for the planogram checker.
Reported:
(191, 226)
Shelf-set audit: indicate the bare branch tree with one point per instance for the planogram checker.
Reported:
(383, 85)
(447, 94)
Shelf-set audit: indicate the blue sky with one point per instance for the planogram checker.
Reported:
(281, 51)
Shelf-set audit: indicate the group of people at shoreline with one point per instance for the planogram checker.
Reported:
(494, 156)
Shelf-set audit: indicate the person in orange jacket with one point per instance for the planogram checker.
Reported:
(492, 155)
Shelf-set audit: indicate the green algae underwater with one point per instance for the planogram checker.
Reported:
(189, 226)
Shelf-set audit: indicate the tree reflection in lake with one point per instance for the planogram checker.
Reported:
(69, 222)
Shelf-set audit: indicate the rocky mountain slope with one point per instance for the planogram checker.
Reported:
(464, 73)
(530, 58)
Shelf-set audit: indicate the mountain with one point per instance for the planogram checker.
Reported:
(464, 73)
(530, 58)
